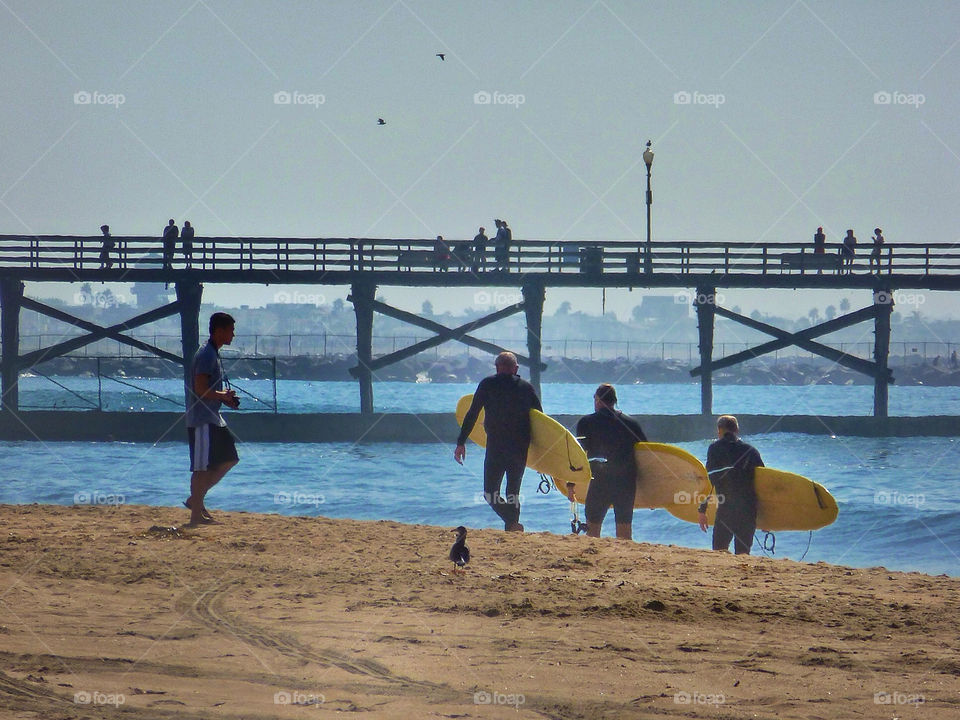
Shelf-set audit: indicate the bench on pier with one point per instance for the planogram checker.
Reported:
(809, 261)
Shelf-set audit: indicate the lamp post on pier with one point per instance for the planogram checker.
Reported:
(648, 255)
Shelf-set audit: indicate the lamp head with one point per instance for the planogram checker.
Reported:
(648, 156)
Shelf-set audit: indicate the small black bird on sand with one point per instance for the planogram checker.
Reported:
(381, 121)
(460, 553)
(442, 56)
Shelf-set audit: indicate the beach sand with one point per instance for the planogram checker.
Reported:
(231, 620)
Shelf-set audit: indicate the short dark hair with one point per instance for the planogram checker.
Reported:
(728, 423)
(221, 320)
(606, 394)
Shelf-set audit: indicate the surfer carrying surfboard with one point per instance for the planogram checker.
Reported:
(608, 436)
(506, 400)
(731, 464)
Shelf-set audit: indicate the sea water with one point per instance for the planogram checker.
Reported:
(897, 496)
(305, 396)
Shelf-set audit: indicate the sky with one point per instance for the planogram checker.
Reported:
(767, 119)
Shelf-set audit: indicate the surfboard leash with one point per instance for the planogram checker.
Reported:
(768, 544)
(809, 540)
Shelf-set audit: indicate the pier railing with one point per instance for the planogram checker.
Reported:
(524, 256)
(338, 345)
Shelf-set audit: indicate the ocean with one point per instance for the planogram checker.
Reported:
(896, 495)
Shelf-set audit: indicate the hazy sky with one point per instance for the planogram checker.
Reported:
(797, 114)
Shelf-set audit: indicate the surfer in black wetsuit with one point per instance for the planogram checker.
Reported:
(730, 464)
(506, 400)
(608, 436)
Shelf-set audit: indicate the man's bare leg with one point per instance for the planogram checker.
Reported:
(593, 529)
(200, 483)
(625, 531)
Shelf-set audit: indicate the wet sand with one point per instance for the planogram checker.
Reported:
(263, 616)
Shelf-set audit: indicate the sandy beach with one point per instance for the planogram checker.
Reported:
(106, 614)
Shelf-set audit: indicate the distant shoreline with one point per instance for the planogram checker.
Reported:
(463, 369)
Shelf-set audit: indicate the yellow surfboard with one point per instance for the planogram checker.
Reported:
(668, 476)
(554, 451)
(785, 501)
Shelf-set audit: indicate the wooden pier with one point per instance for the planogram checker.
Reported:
(534, 267)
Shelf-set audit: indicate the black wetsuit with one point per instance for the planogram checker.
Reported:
(731, 463)
(507, 401)
(610, 434)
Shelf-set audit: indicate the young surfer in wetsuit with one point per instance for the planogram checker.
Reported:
(610, 435)
(730, 464)
(507, 400)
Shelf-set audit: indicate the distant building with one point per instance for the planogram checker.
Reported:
(151, 295)
(663, 308)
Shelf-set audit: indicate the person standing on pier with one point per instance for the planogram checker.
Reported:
(877, 249)
(106, 246)
(502, 249)
(848, 250)
(170, 234)
(479, 251)
(731, 464)
(506, 400)
(186, 237)
(441, 254)
(212, 448)
(819, 248)
(608, 436)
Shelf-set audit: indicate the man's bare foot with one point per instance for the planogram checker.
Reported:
(516, 527)
(204, 513)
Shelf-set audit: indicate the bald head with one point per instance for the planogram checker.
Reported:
(506, 362)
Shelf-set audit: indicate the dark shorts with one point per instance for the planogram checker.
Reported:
(210, 446)
(605, 490)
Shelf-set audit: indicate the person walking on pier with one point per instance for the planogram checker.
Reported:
(608, 436)
(847, 251)
(731, 464)
(212, 448)
(186, 237)
(170, 234)
(107, 244)
(877, 249)
(506, 400)
(480, 251)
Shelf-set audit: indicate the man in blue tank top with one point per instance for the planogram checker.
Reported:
(506, 400)
(608, 436)
(731, 464)
(212, 448)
